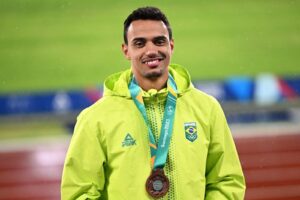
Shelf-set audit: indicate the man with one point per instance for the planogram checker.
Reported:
(152, 135)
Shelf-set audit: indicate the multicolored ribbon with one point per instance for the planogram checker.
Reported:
(158, 152)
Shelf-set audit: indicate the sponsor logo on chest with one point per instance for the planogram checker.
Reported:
(128, 141)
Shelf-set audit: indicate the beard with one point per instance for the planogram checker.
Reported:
(154, 75)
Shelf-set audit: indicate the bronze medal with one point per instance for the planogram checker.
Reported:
(157, 184)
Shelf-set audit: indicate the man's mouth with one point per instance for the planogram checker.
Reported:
(152, 62)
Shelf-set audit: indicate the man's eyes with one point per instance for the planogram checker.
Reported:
(139, 44)
(160, 42)
(157, 42)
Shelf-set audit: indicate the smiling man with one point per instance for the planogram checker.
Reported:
(149, 47)
(152, 135)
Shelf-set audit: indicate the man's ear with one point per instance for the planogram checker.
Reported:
(172, 45)
(125, 51)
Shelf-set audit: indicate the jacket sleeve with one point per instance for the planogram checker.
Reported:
(224, 176)
(83, 174)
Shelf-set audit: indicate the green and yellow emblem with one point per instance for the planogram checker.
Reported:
(190, 131)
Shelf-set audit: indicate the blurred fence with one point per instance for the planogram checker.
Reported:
(264, 98)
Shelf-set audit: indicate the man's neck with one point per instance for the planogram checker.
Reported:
(157, 83)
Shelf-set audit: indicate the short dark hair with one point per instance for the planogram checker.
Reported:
(146, 13)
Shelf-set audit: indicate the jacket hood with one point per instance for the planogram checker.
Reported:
(117, 84)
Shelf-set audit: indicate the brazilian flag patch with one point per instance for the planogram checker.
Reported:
(190, 131)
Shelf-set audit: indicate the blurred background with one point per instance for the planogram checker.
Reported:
(55, 55)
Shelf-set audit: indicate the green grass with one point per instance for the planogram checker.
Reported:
(50, 44)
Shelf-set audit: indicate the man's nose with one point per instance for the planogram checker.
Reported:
(151, 49)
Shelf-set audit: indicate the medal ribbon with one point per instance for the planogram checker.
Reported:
(158, 152)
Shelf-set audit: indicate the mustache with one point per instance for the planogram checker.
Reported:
(155, 56)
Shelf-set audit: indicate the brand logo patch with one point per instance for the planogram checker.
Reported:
(128, 141)
(190, 129)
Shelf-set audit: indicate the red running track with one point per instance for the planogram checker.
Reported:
(271, 165)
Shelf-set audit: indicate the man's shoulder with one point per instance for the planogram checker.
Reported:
(104, 107)
(201, 96)
(200, 100)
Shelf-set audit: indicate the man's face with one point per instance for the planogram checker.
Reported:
(148, 48)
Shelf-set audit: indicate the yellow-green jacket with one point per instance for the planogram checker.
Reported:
(109, 154)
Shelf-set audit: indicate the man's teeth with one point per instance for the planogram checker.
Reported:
(152, 62)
